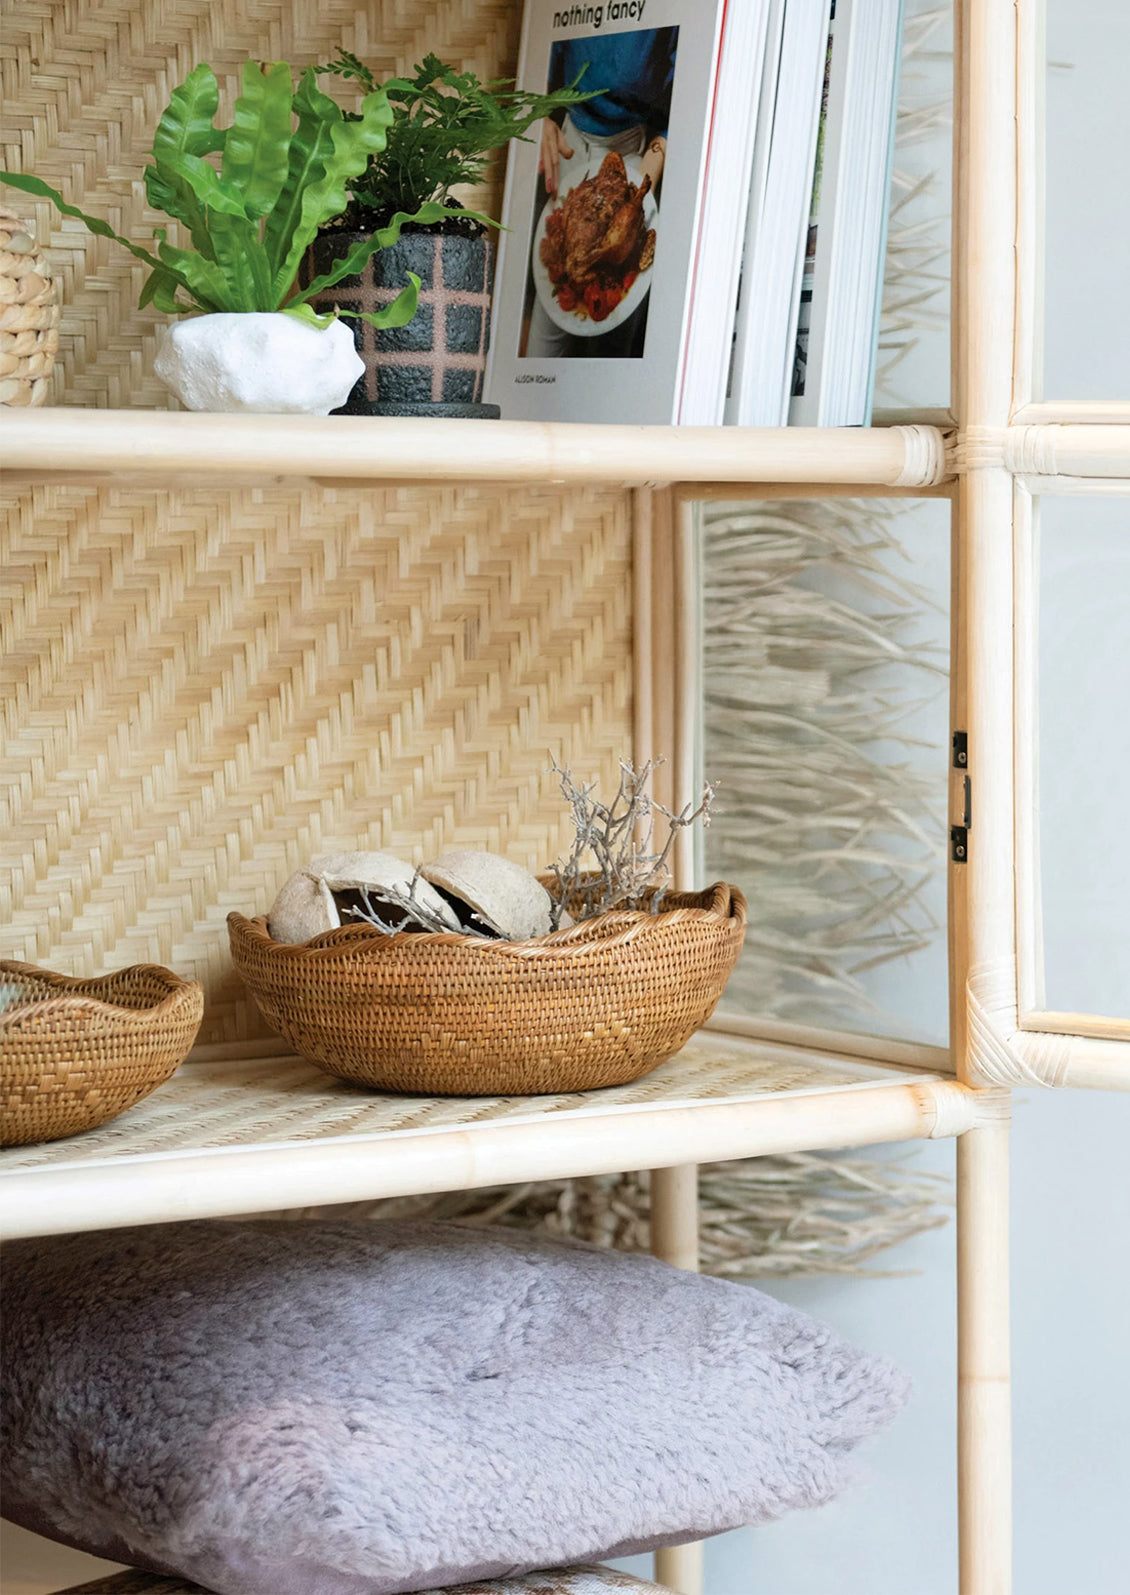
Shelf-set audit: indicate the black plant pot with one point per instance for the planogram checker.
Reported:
(434, 365)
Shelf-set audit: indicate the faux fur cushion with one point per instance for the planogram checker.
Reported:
(555, 1581)
(351, 1408)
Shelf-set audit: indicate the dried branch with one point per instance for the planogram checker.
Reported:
(614, 861)
(414, 915)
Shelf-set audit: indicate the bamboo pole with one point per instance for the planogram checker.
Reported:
(386, 449)
(687, 687)
(730, 492)
(674, 1216)
(984, 344)
(674, 1238)
(1080, 450)
(843, 1043)
(681, 1568)
(664, 592)
(107, 1193)
(1076, 486)
(1031, 75)
(956, 905)
(1073, 412)
(914, 415)
(984, 1419)
(1058, 1022)
(1029, 902)
(1086, 1063)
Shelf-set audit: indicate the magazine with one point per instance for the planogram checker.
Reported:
(617, 271)
(790, 116)
(838, 326)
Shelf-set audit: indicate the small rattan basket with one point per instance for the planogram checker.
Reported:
(598, 1004)
(29, 316)
(75, 1053)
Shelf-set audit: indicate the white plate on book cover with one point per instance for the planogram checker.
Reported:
(582, 326)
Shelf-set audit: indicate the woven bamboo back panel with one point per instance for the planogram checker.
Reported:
(84, 83)
(202, 686)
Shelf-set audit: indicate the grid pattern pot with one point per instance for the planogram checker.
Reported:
(437, 362)
(598, 1004)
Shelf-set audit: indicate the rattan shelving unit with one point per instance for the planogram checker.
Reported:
(242, 1129)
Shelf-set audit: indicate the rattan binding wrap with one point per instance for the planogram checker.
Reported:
(29, 315)
(598, 1004)
(75, 1053)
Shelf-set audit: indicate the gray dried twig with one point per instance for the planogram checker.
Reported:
(615, 861)
(414, 915)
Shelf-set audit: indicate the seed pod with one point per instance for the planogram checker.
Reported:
(494, 891)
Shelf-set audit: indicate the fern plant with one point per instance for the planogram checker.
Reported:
(446, 126)
(283, 169)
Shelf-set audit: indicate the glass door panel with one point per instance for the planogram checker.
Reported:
(1083, 737)
(1087, 219)
(825, 651)
(914, 341)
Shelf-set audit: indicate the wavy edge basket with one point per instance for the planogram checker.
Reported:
(445, 1014)
(80, 1051)
(29, 315)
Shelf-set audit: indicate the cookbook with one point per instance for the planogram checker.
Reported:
(765, 331)
(623, 216)
(841, 295)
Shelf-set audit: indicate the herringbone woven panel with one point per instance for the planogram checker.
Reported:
(202, 687)
(84, 82)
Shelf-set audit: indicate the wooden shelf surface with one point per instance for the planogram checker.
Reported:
(240, 1136)
(79, 441)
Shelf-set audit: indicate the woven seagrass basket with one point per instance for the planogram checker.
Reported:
(29, 316)
(598, 1004)
(75, 1053)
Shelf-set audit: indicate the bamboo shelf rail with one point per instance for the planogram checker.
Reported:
(360, 447)
(905, 459)
(241, 1136)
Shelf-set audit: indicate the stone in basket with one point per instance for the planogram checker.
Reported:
(442, 1013)
(75, 1053)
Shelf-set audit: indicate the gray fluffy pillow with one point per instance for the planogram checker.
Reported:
(328, 1408)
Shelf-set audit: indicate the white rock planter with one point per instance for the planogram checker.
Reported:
(258, 361)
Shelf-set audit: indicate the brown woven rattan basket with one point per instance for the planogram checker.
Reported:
(450, 1015)
(74, 1053)
(29, 316)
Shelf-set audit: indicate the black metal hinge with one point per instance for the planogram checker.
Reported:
(963, 800)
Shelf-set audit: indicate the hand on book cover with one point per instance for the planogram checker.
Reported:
(555, 148)
(651, 163)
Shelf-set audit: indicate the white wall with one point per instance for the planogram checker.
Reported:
(897, 1533)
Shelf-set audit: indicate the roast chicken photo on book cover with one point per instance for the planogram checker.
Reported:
(602, 211)
(596, 205)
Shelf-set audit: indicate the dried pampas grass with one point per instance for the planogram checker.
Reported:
(796, 1214)
(916, 280)
(814, 670)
